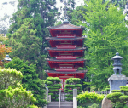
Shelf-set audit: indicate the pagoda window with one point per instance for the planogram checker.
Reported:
(66, 66)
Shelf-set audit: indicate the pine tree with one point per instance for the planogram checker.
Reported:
(29, 29)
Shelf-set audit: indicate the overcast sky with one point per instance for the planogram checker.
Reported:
(9, 9)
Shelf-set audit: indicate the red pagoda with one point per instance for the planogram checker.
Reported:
(66, 43)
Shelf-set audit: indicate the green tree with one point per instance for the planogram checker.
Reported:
(106, 35)
(29, 29)
(30, 80)
(12, 94)
(120, 3)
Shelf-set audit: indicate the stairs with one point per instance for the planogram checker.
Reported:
(62, 105)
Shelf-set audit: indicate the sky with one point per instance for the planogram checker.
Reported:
(9, 9)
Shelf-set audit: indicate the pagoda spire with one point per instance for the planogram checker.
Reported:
(65, 11)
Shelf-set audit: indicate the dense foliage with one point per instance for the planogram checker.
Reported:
(106, 34)
(53, 84)
(28, 31)
(12, 94)
(119, 98)
(72, 83)
(89, 97)
(30, 79)
(3, 49)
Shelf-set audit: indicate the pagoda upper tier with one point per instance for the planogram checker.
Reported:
(57, 41)
(66, 51)
(66, 30)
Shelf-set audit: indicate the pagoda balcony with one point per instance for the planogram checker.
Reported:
(66, 58)
(66, 70)
(66, 47)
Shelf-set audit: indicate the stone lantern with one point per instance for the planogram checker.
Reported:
(117, 63)
(117, 79)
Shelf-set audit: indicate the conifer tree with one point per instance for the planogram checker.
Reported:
(29, 29)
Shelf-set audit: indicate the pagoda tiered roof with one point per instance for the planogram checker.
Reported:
(57, 72)
(70, 60)
(59, 39)
(77, 74)
(66, 26)
(56, 49)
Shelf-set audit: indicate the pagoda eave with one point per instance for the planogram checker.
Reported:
(57, 72)
(67, 26)
(63, 60)
(65, 75)
(60, 39)
(56, 49)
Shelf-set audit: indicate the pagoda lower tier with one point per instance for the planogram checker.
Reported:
(66, 75)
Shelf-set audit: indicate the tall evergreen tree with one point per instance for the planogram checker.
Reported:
(107, 34)
(29, 29)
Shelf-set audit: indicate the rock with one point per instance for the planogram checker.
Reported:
(106, 103)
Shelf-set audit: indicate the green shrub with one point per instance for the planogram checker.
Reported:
(33, 106)
(69, 99)
(72, 83)
(95, 105)
(53, 86)
(89, 97)
(81, 107)
(69, 95)
(49, 83)
(50, 94)
(57, 100)
(115, 91)
(107, 89)
(114, 97)
(123, 98)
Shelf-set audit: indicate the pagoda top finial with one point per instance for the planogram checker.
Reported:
(65, 13)
(117, 54)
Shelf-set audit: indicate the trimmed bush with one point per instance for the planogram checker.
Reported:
(89, 97)
(72, 83)
(53, 87)
(118, 99)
